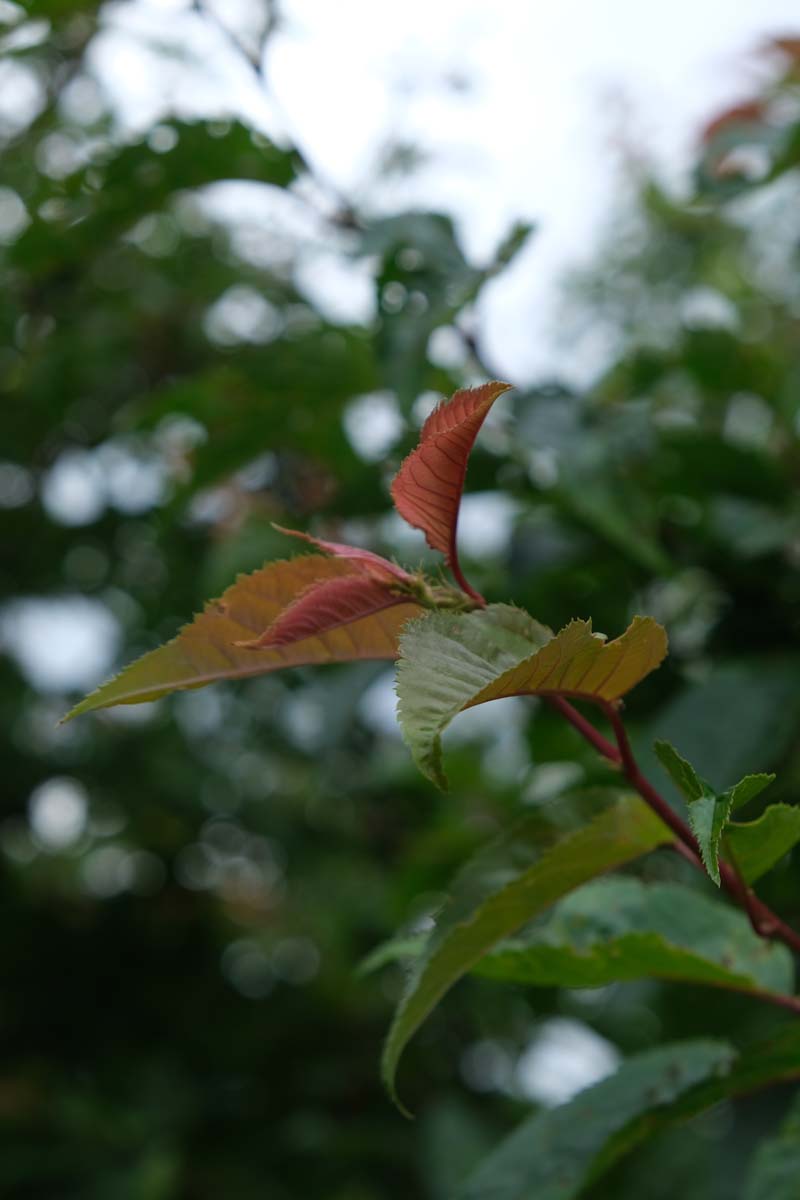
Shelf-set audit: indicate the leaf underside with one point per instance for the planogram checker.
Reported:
(451, 662)
(328, 604)
(205, 651)
(428, 487)
(503, 888)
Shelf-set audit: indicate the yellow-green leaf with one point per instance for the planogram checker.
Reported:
(504, 887)
(577, 662)
(206, 651)
(451, 662)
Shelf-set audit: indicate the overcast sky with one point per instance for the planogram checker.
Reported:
(520, 107)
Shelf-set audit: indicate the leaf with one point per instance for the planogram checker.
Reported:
(620, 929)
(583, 664)
(748, 788)
(775, 1060)
(775, 1168)
(616, 929)
(427, 489)
(681, 772)
(450, 662)
(366, 560)
(551, 1155)
(757, 845)
(205, 651)
(327, 605)
(447, 658)
(503, 888)
(136, 179)
(709, 812)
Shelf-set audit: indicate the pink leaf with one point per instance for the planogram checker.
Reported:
(362, 560)
(428, 487)
(328, 605)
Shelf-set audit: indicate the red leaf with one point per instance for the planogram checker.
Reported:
(427, 489)
(328, 605)
(362, 560)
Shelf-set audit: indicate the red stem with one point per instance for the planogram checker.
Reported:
(765, 922)
(460, 579)
(585, 728)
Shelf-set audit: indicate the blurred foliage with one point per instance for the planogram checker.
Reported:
(188, 888)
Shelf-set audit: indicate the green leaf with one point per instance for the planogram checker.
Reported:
(775, 1169)
(504, 887)
(446, 659)
(209, 649)
(552, 1155)
(452, 662)
(758, 845)
(748, 788)
(514, 1171)
(775, 1060)
(709, 811)
(681, 772)
(617, 929)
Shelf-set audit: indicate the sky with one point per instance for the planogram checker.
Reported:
(521, 110)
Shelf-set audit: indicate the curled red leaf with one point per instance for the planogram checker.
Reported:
(428, 487)
(363, 560)
(328, 605)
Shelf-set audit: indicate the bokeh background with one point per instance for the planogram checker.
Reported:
(244, 248)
